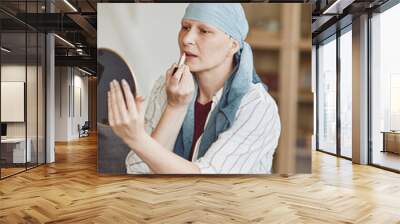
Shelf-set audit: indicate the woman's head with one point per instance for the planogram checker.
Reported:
(212, 33)
(205, 45)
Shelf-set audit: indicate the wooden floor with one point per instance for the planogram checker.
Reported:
(70, 191)
(10, 171)
(387, 159)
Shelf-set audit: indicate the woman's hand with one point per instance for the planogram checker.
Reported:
(127, 121)
(179, 86)
(126, 118)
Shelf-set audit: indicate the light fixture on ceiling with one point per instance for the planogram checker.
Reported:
(65, 41)
(84, 71)
(80, 51)
(5, 50)
(337, 7)
(70, 5)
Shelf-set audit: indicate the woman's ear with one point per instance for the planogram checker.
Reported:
(235, 46)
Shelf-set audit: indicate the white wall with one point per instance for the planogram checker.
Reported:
(12, 101)
(33, 126)
(66, 121)
(14, 73)
(147, 37)
(61, 103)
(80, 82)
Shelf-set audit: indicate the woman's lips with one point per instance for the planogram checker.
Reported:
(189, 53)
(190, 56)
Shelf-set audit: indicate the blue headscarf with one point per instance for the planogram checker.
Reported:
(229, 18)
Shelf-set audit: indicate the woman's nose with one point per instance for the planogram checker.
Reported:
(189, 37)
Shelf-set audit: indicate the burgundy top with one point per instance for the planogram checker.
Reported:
(200, 116)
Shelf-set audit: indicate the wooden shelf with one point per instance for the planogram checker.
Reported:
(263, 40)
(303, 97)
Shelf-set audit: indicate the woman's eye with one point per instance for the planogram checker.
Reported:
(185, 28)
(205, 31)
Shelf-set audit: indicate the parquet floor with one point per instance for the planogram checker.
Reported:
(9, 171)
(70, 191)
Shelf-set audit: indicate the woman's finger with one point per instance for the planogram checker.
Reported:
(176, 77)
(171, 68)
(110, 110)
(130, 101)
(122, 107)
(113, 104)
(119, 95)
(119, 106)
(187, 78)
(170, 72)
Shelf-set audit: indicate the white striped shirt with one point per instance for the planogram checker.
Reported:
(247, 147)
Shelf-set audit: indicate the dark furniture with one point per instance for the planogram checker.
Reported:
(391, 141)
(84, 130)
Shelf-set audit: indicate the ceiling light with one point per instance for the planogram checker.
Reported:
(86, 72)
(337, 7)
(5, 50)
(64, 40)
(70, 5)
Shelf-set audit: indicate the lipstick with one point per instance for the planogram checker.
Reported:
(181, 62)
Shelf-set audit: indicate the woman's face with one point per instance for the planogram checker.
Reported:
(205, 46)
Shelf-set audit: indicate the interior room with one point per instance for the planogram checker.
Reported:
(337, 96)
(22, 101)
(385, 87)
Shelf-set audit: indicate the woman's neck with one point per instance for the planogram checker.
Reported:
(212, 80)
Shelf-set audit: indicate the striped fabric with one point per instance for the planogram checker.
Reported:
(245, 148)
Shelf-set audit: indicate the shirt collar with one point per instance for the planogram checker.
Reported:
(217, 95)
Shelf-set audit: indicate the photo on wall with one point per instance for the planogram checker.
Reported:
(204, 88)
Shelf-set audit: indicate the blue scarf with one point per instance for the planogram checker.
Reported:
(231, 19)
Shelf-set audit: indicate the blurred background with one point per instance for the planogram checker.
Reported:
(280, 36)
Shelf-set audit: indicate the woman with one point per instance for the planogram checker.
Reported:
(212, 115)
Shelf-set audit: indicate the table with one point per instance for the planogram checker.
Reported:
(391, 141)
(17, 150)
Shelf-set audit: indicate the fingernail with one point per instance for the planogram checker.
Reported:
(124, 82)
